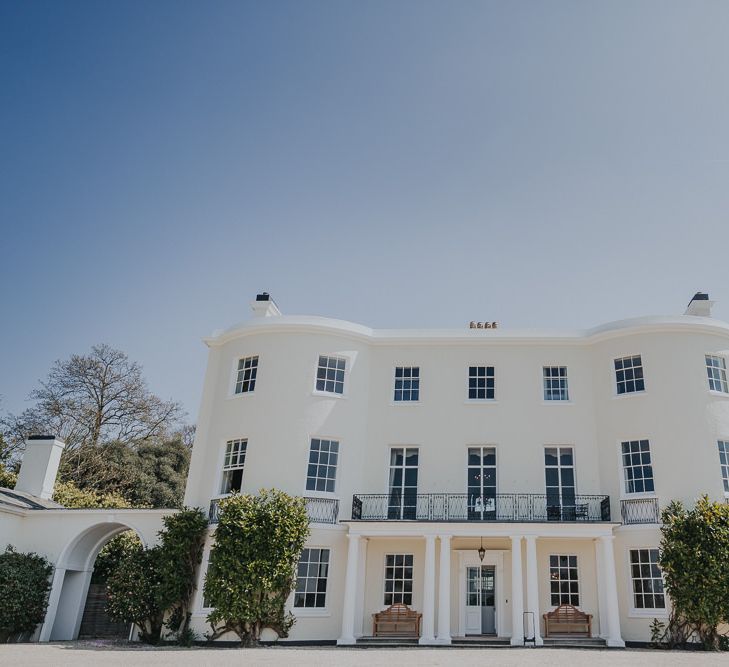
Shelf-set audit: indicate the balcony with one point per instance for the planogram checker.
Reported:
(503, 507)
(320, 510)
(639, 510)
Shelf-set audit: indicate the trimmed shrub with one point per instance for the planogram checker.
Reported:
(25, 580)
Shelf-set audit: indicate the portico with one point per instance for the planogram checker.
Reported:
(436, 569)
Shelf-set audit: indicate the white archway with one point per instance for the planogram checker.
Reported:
(72, 576)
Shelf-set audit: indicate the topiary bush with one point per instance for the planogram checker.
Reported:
(25, 580)
(258, 542)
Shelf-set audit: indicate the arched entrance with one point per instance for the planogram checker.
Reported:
(72, 577)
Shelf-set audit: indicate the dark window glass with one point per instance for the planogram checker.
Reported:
(311, 578)
(481, 383)
(245, 381)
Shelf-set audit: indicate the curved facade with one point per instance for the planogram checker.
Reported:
(551, 450)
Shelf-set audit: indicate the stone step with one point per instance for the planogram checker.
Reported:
(575, 642)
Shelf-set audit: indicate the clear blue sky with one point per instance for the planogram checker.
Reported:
(400, 164)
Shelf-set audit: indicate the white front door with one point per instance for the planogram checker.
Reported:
(481, 593)
(480, 600)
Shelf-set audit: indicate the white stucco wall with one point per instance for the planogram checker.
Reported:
(677, 413)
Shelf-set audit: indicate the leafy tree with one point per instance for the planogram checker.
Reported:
(134, 593)
(69, 495)
(7, 478)
(113, 553)
(24, 586)
(149, 585)
(695, 563)
(94, 398)
(151, 475)
(258, 542)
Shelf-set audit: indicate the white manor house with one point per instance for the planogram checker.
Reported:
(481, 476)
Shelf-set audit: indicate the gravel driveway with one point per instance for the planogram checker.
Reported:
(100, 654)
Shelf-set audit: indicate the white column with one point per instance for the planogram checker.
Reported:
(444, 592)
(359, 599)
(601, 607)
(350, 591)
(517, 593)
(533, 586)
(428, 629)
(611, 591)
(59, 575)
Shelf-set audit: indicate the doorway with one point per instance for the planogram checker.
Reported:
(481, 600)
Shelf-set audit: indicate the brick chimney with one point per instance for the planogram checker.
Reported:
(40, 465)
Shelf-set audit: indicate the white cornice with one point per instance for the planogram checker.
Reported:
(467, 336)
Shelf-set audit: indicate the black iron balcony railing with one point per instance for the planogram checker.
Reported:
(520, 507)
(640, 510)
(320, 510)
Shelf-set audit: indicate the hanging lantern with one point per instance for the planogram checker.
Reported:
(481, 551)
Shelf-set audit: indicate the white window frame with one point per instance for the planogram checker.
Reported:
(637, 612)
(223, 469)
(614, 374)
(388, 468)
(496, 469)
(311, 493)
(722, 381)
(234, 376)
(345, 382)
(384, 578)
(468, 382)
(559, 466)
(578, 580)
(624, 493)
(203, 574)
(556, 401)
(724, 468)
(394, 380)
(314, 612)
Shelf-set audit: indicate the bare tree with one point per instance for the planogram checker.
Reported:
(95, 398)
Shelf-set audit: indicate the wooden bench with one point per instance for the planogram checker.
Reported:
(567, 620)
(398, 620)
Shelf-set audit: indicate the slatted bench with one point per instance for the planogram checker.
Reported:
(567, 620)
(398, 620)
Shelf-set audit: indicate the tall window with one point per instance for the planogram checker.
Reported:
(559, 471)
(481, 482)
(637, 468)
(398, 579)
(403, 497)
(330, 375)
(245, 380)
(555, 383)
(481, 382)
(407, 383)
(311, 579)
(235, 458)
(629, 374)
(647, 579)
(205, 601)
(564, 585)
(322, 471)
(724, 462)
(716, 370)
